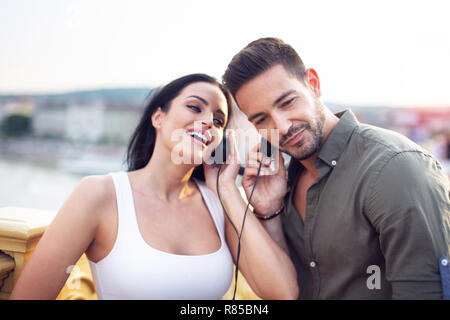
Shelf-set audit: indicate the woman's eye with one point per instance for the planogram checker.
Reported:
(195, 108)
(219, 122)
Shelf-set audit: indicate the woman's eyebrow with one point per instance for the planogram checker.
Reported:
(220, 111)
(199, 98)
(206, 103)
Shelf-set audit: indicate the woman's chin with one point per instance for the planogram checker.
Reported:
(194, 157)
(189, 152)
(198, 155)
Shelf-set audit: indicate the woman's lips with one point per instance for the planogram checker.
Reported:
(205, 135)
(197, 141)
(293, 140)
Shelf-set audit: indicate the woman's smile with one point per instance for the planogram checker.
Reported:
(200, 137)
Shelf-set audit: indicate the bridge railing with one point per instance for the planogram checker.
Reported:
(20, 231)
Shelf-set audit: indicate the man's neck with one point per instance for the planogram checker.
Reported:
(309, 166)
(330, 123)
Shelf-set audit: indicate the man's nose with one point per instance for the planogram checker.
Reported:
(282, 124)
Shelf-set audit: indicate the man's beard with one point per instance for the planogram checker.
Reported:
(305, 149)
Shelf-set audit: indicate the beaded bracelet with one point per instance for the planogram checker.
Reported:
(261, 217)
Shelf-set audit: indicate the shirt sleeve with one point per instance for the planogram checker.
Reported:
(408, 205)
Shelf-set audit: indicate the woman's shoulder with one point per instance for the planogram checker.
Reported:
(96, 190)
(87, 204)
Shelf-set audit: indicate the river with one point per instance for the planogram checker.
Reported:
(31, 185)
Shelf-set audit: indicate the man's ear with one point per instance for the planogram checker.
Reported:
(312, 81)
(157, 117)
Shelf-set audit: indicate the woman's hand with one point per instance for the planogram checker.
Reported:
(264, 263)
(271, 186)
(229, 170)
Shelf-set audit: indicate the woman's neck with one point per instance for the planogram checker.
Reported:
(164, 179)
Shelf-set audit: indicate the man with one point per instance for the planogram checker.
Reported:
(365, 213)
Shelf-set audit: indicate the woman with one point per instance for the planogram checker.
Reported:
(158, 231)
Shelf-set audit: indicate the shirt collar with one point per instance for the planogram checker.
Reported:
(337, 140)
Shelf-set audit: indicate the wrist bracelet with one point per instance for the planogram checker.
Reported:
(276, 213)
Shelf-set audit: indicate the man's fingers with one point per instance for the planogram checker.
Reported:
(253, 150)
(281, 165)
(255, 157)
(252, 172)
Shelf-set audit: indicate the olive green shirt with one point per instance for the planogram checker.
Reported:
(377, 218)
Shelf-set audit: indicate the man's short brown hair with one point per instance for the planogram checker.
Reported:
(259, 56)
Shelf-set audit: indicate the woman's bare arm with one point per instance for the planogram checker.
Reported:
(65, 240)
(264, 264)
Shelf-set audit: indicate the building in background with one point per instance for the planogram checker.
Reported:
(86, 121)
(82, 121)
(49, 119)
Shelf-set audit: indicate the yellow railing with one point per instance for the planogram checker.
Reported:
(20, 231)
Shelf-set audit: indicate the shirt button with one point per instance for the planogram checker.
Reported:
(333, 163)
(444, 262)
(312, 264)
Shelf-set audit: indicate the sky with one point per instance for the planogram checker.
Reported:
(365, 52)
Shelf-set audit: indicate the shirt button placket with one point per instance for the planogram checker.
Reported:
(312, 198)
(312, 195)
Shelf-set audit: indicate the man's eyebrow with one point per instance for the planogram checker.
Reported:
(278, 100)
(256, 115)
(282, 96)
(199, 98)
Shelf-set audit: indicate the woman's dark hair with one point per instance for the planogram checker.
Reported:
(142, 141)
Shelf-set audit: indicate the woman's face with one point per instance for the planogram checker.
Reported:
(193, 127)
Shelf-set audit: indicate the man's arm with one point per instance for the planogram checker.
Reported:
(408, 205)
(270, 191)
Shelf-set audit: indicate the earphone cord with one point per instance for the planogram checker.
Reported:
(234, 227)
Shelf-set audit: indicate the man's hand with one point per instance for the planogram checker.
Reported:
(271, 186)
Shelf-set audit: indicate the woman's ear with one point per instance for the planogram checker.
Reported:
(157, 117)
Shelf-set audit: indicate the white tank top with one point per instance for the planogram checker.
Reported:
(135, 270)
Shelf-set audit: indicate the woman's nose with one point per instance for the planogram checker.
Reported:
(207, 119)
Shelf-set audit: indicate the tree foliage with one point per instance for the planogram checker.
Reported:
(15, 125)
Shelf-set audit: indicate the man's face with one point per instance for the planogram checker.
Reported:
(277, 100)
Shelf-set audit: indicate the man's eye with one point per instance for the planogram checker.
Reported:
(261, 120)
(289, 102)
(195, 108)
